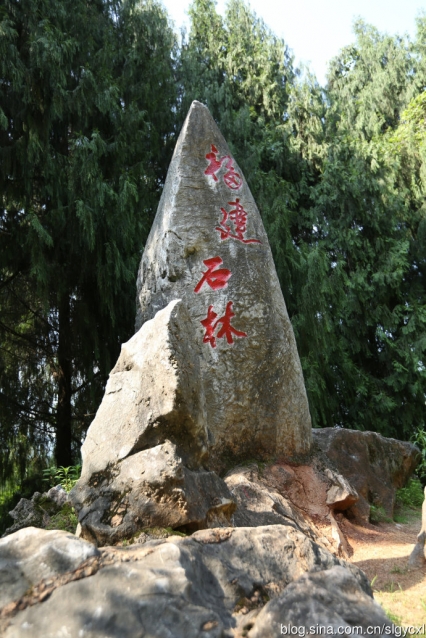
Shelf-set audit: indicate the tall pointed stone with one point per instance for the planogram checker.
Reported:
(209, 248)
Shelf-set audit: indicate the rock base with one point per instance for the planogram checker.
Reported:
(216, 583)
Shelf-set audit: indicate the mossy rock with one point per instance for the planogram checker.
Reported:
(65, 519)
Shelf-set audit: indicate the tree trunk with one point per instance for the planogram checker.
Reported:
(63, 455)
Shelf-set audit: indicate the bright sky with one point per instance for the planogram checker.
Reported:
(317, 29)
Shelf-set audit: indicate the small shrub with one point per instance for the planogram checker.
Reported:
(65, 476)
(419, 439)
(411, 495)
(378, 515)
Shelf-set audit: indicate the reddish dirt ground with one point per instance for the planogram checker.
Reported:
(382, 552)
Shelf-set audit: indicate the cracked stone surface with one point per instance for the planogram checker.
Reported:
(32, 554)
(251, 390)
(328, 598)
(374, 465)
(36, 512)
(214, 583)
(304, 496)
(143, 452)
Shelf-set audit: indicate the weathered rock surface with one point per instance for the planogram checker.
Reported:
(31, 555)
(374, 465)
(37, 511)
(303, 496)
(213, 584)
(143, 452)
(208, 247)
(335, 601)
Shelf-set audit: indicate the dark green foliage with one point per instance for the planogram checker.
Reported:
(91, 96)
(411, 495)
(341, 203)
(419, 439)
(86, 97)
(67, 477)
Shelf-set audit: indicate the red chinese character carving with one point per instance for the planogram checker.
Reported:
(210, 327)
(216, 278)
(214, 164)
(238, 216)
(227, 330)
(231, 178)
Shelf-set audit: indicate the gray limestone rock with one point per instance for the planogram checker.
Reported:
(330, 602)
(259, 503)
(304, 496)
(208, 585)
(30, 555)
(374, 465)
(208, 247)
(143, 452)
(151, 395)
(36, 512)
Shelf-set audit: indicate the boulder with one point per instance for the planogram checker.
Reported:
(143, 453)
(208, 247)
(31, 555)
(212, 584)
(259, 503)
(330, 602)
(304, 496)
(374, 465)
(37, 511)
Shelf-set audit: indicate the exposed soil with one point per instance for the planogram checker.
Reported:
(382, 552)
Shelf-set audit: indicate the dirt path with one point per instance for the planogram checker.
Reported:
(382, 552)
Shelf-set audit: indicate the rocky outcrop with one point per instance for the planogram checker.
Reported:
(143, 454)
(208, 247)
(330, 599)
(212, 374)
(374, 465)
(214, 583)
(304, 496)
(32, 555)
(38, 510)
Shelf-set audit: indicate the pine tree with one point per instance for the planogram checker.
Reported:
(341, 202)
(86, 97)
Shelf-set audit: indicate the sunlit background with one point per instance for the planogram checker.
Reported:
(316, 30)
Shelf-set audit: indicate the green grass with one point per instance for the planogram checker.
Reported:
(400, 518)
(65, 519)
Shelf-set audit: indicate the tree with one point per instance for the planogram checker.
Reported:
(86, 96)
(371, 81)
(364, 367)
(343, 224)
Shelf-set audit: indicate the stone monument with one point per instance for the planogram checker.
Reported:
(208, 247)
(212, 375)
